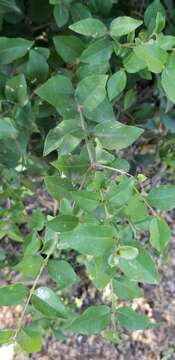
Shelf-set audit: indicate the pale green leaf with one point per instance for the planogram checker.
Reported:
(162, 197)
(123, 25)
(91, 91)
(159, 234)
(89, 27)
(115, 135)
(116, 84)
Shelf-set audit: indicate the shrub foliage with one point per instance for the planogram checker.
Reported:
(73, 76)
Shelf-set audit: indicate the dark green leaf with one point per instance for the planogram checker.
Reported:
(61, 14)
(58, 187)
(131, 320)
(62, 272)
(7, 129)
(68, 47)
(85, 324)
(13, 48)
(63, 223)
(126, 289)
(57, 92)
(97, 52)
(89, 239)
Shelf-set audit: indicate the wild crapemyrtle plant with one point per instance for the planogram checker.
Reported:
(69, 74)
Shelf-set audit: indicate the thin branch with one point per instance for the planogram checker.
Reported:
(20, 322)
(114, 305)
(89, 150)
(122, 172)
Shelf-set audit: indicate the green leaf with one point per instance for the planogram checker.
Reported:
(132, 320)
(136, 209)
(7, 129)
(68, 47)
(61, 136)
(61, 14)
(11, 295)
(30, 265)
(154, 57)
(79, 11)
(166, 42)
(142, 268)
(168, 81)
(91, 91)
(159, 234)
(129, 99)
(72, 166)
(103, 156)
(12, 49)
(48, 303)
(133, 64)
(10, 6)
(127, 252)
(86, 200)
(29, 340)
(32, 244)
(116, 84)
(6, 336)
(97, 52)
(162, 197)
(160, 23)
(56, 91)
(103, 112)
(62, 272)
(151, 13)
(115, 135)
(126, 289)
(58, 187)
(89, 239)
(37, 67)
(99, 271)
(89, 27)
(85, 324)
(63, 223)
(16, 90)
(123, 25)
(118, 195)
(37, 220)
